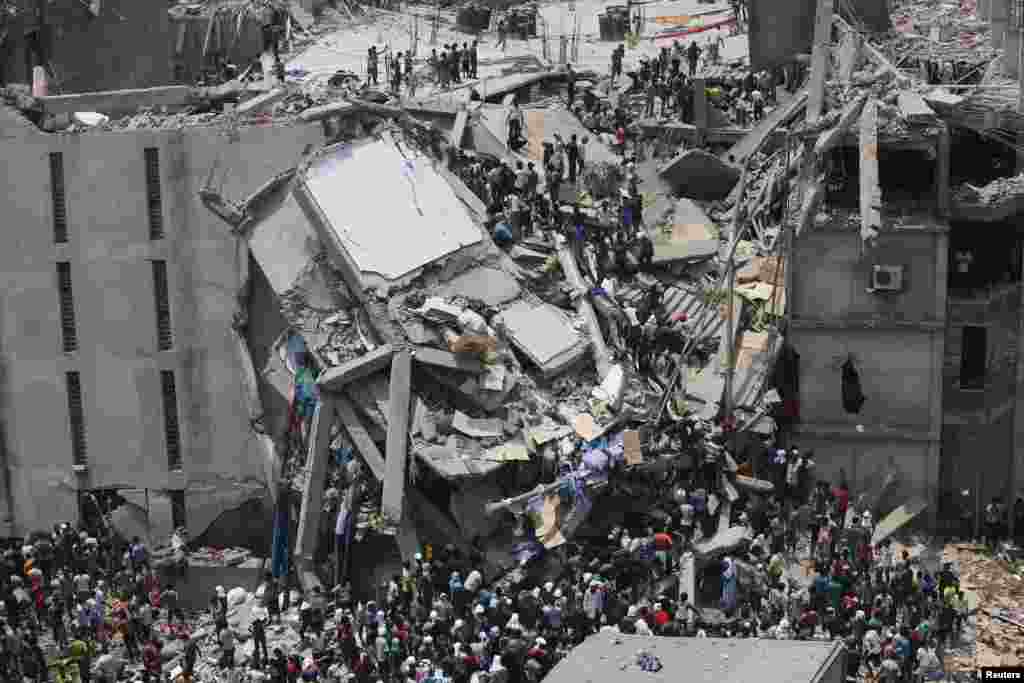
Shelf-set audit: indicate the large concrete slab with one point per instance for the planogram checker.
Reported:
(690, 236)
(389, 207)
(490, 284)
(544, 335)
(700, 175)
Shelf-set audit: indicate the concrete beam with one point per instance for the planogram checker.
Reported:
(356, 369)
(942, 161)
(870, 190)
(316, 473)
(585, 309)
(812, 198)
(819, 60)
(459, 129)
(446, 360)
(258, 103)
(700, 107)
(113, 102)
(398, 435)
(361, 439)
(834, 136)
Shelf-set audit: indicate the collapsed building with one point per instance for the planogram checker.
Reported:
(304, 284)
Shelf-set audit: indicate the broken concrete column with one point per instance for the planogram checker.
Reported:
(316, 473)
(398, 435)
(870, 190)
(583, 306)
(360, 436)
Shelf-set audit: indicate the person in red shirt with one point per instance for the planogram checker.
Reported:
(620, 140)
(663, 546)
(842, 496)
(661, 617)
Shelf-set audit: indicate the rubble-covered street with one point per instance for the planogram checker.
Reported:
(582, 341)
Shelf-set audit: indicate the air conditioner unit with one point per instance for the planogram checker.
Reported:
(887, 278)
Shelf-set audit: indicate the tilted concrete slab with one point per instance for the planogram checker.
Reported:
(489, 284)
(335, 379)
(690, 235)
(544, 334)
(390, 209)
(700, 175)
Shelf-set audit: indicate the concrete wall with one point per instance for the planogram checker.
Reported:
(779, 30)
(127, 45)
(896, 341)
(109, 249)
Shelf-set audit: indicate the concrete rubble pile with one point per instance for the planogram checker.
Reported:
(994, 192)
(999, 588)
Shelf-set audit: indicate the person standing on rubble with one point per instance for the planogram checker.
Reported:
(473, 59)
(502, 34)
(693, 52)
(371, 66)
(396, 74)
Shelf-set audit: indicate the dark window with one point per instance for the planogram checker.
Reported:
(164, 339)
(153, 197)
(76, 417)
(973, 357)
(60, 216)
(171, 431)
(69, 332)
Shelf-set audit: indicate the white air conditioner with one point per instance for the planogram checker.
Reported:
(887, 278)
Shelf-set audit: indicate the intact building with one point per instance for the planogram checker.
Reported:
(120, 365)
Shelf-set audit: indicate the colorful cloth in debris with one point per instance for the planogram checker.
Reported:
(279, 560)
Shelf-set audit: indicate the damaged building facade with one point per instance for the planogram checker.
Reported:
(122, 292)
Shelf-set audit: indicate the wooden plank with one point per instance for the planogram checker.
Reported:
(316, 473)
(447, 360)
(819, 60)
(870, 191)
(357, 431)
(834, 136)
(335, 379)
(398, 435)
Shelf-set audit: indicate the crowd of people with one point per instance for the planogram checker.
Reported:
(443, 619)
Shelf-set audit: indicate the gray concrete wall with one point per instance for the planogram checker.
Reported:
(779, 30)
(896, 341)
(127, 45)
(109, 250)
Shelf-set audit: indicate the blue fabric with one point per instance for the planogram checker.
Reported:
(279, 562)
(502, 233)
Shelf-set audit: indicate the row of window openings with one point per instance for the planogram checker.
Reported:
(76, 419)
(154, 199)
(161, 295)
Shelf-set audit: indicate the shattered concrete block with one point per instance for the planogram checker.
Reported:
(478, 428)
(440, 310)
(544, 335)
(700, 175)
(690, 236)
